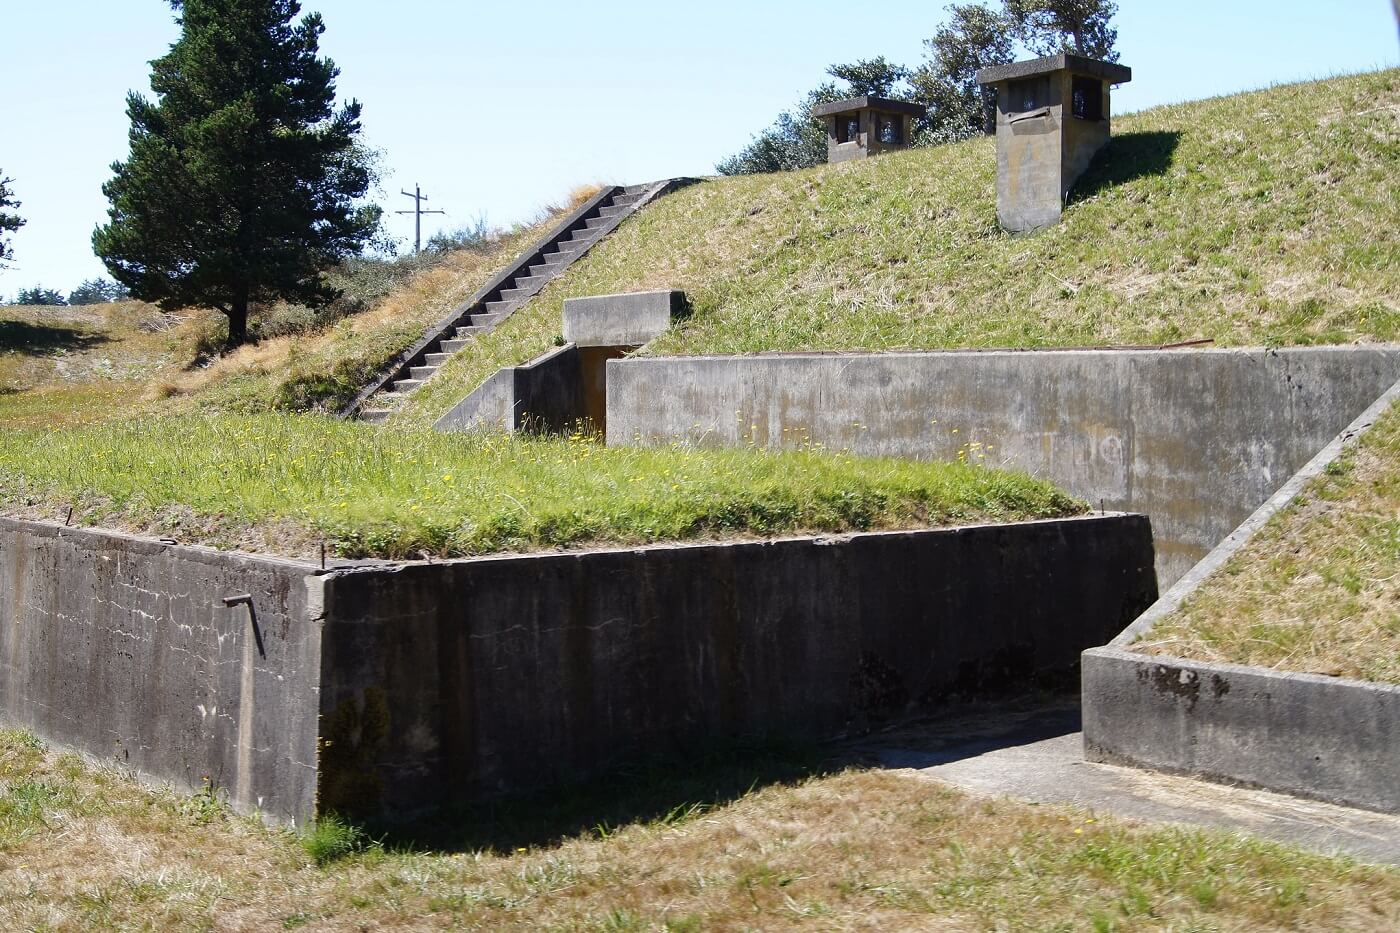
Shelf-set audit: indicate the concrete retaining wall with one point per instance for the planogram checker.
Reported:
(122, 648)
(1319, 737)
(510, 673)
(1194, 438)
(1323, 737)
(552, 393)
(385, 690)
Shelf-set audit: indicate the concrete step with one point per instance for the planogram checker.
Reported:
(539, 269)
(634, 191)
(593, 223)
(498, 309)
(375, 415)
(487, 320)
(421, 372)
(468, 332)
(532, 283)
(450, 347)
(581, 234)
(404, 386)
(614, 211)
(517, 295)
(437, 359)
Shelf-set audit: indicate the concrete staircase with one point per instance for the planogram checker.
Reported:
(504, 295)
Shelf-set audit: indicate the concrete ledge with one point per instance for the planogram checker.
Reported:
(628, 320)
(1321, 737)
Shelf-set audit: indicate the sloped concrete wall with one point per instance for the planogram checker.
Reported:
(122, 648)
(1194, 438)
(455, 680)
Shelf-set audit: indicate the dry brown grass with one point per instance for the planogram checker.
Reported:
(82, 849)
(1318, 588)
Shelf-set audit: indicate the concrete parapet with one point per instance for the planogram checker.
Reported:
(385, 690)
(628, 320)
(1194, 438)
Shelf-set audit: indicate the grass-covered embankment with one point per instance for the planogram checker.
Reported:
(1317, 589)
(82, 848)
(287, 482)
(1265, 218)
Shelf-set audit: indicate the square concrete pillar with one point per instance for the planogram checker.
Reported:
(859, 127)
(1052, 117)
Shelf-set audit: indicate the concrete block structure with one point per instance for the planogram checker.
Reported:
(1052, 117)
(628, 320)
(858, 127)
(564, 389)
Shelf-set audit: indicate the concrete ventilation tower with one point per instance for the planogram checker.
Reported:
(859, 127)
(1052, 116)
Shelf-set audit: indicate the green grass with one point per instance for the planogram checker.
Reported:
(88, 848)
(1258, 219)
(296, 480)
(1317, 589)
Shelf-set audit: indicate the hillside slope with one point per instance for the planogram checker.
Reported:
(1318, 589)
(1261, 218)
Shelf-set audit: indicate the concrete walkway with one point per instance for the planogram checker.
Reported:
(1035, 754)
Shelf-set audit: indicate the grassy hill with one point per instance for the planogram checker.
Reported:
(1262, 218)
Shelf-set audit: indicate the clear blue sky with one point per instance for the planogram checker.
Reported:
(500, 108)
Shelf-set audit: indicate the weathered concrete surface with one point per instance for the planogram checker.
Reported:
(853, 126)
(1043, 145)
(1316, 736)
(1036, 755)
(1320, 737)
(122, 648)
(467, 678)
(1194, 438)
(628, 320)
(547, 394)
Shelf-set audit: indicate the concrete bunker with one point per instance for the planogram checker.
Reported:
(1052, 116)
(566, 387)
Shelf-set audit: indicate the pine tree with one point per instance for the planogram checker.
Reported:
(244, 181)
(9, 223)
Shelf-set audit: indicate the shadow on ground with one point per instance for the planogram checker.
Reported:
(674, 791)
(43, 339)
(1126, 157)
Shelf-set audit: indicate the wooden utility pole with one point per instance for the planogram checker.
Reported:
(418, 198)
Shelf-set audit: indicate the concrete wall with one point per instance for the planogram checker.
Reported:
(384, 690)
(1322, 737)
(627, 320)
(1194, 438)
(475, 677)
(548, 393)
(1319, 737)
(122, 648)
